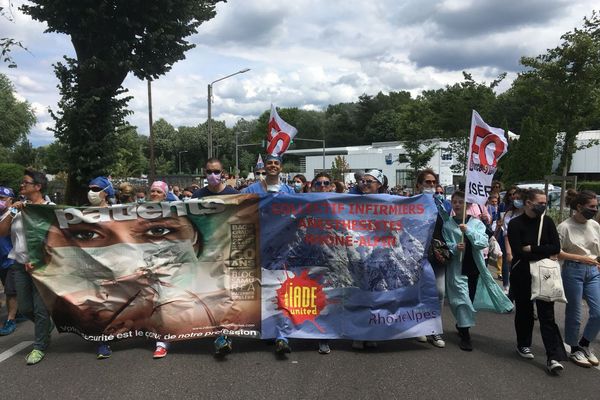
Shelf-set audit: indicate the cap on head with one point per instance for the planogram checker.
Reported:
(103, 183)
(377, 174)
(6, 192)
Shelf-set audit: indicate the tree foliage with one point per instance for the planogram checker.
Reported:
(111, 39)
(16, 117)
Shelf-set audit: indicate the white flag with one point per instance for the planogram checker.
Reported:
(279, 134)
(486, 146)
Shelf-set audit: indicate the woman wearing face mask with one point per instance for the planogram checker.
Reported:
(523, 237)
(580, 248)
(426, 184)
(101, 190)
(300, 184)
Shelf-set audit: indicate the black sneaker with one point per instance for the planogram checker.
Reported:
(282, 347)
(465, 344)
(525, 352)
(554, 367)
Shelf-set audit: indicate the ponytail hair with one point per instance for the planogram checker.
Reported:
(574, 198)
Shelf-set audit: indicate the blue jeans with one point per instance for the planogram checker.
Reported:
(31, 305)
(581, 281)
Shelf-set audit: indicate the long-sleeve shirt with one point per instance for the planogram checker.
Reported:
(523, 231)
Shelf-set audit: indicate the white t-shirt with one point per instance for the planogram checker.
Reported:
(580, 239)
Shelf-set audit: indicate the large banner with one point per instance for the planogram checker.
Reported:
(305, 266)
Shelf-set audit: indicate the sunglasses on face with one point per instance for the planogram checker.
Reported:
(430, 181)
(261, 173)
(322, 183)
(439, 192)
(27, 183)
(367, 181)
(213, 171)
(96, 189)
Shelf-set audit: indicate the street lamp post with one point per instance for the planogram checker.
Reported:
(209, 123)
(181, 152)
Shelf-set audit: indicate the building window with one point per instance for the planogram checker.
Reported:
(404, 178)
(446, 154)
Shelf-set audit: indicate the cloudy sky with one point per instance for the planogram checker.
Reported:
(311, 53)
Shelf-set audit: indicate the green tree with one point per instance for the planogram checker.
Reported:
(530, 157)
(51, 158)
(11, 175)
(569, 76)
(16, 117)
(130, 160)
(339, 167)
(111, 39)
(417, 156)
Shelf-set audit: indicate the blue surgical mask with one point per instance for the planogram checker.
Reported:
(297, 187)
(518, 203)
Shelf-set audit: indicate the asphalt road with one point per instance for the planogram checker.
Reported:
(396, 369)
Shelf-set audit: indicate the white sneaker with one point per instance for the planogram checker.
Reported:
(580, 359)
(421, 339)
(587, 352)
(554, 367)
(525, 352)
(436, 340)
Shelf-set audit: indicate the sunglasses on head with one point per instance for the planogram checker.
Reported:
(213, 171)
(322, 183)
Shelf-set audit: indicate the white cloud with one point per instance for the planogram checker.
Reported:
(311, 53)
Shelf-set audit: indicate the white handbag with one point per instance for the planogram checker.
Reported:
(546, 280)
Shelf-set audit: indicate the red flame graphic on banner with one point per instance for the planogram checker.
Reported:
(301, 299)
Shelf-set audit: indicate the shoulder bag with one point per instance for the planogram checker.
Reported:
(546, 280)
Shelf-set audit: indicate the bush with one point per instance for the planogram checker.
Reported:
(11, 175)
(594, 186)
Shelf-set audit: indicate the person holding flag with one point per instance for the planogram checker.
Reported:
(279, 136)
(469, 284)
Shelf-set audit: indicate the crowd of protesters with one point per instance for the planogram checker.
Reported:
(503, 234)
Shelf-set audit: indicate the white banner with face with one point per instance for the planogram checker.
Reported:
(486, 146)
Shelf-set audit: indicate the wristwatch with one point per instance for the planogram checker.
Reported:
(13, 211)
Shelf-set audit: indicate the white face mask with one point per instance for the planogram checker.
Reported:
(429, 190)
(94, 198)
(186, 198)
(297, 187)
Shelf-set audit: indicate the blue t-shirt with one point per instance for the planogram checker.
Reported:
(203, 192)
(5, 248)
(257, 187)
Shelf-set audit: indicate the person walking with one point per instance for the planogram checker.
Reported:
(523, 238)
(580, 251)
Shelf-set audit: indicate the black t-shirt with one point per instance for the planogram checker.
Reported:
(204, 192)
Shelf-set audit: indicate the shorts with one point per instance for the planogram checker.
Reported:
(8, 281)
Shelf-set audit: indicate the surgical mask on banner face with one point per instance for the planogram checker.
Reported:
(109, 263)
(589, 213)
(213, 180)
(429, 190)
(94, 198)
(297, 187)
(518, 203)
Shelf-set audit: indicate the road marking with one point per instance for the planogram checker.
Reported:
(14, 350)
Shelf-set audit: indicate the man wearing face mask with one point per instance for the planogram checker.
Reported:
(216, 186)
(100, 191)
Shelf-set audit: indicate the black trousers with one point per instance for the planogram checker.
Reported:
(520, 287)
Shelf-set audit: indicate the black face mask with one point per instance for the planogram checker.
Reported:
(588, 213)
(538, 209)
